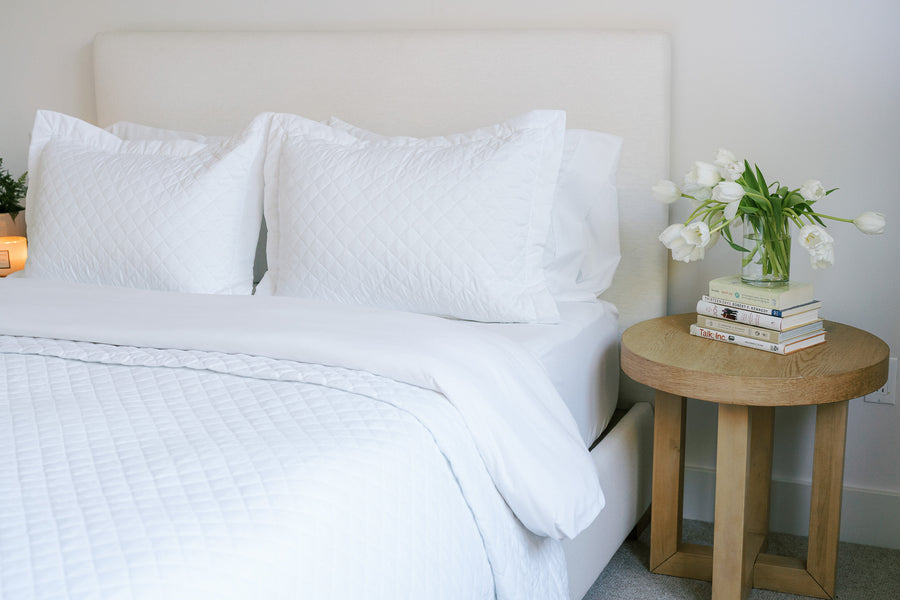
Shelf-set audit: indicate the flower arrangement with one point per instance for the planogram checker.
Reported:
(11, 190)
(728, 191)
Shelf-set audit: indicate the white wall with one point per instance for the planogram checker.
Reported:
(807, 89)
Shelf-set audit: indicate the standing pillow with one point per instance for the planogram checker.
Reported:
(128, 130)
(452, 226)
(164, 214)
(582, 250)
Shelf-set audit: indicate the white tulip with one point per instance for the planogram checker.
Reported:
(731, 193)
(870, 222)
(731, 210)
(723, 157)
(699, 193)
(696, 234)
(812, 190)
(703, 174)
(666, 192)
(727, 191)
(671, 235)
(698, 253)
(813, 236)
(733, 171)
(684, 241)
(730, 168)
(822, 256)
(671, 239)
(683, 253)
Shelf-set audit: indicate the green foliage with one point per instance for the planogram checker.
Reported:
(11, 190)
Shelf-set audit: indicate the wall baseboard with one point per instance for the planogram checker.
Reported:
(870, 517)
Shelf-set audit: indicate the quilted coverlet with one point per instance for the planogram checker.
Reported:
(157, 470)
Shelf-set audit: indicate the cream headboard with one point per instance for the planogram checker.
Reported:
(420, 83)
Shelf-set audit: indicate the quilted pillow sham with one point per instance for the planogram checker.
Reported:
(154, 213)
(582, 250)
(453, 226)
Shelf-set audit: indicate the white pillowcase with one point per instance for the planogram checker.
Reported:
(163, 213)
(453, 225)
(137, 131)
(582, 250)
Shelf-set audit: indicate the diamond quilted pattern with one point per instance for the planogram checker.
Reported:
(153, 215)
(449, 226)
(181, 474)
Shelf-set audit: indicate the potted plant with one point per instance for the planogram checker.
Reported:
(12, 190)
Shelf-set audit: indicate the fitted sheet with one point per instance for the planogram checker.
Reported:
(581, 356)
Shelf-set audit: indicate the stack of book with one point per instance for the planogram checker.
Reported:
(780, 319)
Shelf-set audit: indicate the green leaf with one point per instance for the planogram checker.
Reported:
(726, 233)
(748, 176)
(10, 191)
(762, 202)
(777, 203)
(762, 181)
(792, 199)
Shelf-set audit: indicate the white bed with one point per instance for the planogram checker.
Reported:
(396, 83)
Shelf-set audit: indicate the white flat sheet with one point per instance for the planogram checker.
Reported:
(581, 355)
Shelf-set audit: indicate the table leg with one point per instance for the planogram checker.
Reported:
(734, 547)
(762, 425)
(668, 477)
(827, 486)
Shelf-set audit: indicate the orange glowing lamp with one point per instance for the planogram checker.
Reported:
(13, 254)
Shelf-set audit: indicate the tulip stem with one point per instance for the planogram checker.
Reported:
(813, 214)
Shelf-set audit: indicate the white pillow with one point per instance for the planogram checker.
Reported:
(136, 131)
(166, 214)
(582, 250)
(453, 226)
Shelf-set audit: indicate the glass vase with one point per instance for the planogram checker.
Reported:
(766, 261)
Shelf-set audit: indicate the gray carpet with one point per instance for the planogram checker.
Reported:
(864, 572)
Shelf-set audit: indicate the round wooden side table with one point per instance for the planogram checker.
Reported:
(747, 385)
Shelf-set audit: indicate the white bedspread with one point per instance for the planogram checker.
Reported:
(267, 447)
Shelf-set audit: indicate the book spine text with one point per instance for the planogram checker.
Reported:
(718, 336)
(755, 318)
(766, 335)
(741, 306)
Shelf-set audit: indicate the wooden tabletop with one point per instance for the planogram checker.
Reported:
(662, 354)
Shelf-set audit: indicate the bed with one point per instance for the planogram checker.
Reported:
(330, 439)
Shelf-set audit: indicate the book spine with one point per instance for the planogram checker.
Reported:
(775, 298)
(718, 336)
(726, 326)
(774, 312)
(720, 311)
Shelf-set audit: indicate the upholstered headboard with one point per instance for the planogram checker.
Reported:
(420, 83)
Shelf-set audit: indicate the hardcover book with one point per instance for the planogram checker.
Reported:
(792, 294)
(787, 312)
(759, 333)
(757, 318)
(782, 348)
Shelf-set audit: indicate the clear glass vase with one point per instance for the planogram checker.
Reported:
(767, 259)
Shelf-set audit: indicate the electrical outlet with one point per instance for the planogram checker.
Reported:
(886, 394)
